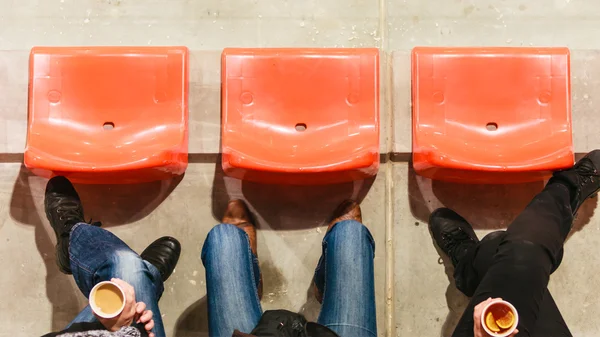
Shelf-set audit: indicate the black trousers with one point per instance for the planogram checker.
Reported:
(516, 265)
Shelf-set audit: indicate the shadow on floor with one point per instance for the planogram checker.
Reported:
(311, 308)
(455, 299)
(484, 206)
(193, 322)
(276, 286)
(61, 292)
(285, 207)
(111, 204)
(489, 207)
(119, 204)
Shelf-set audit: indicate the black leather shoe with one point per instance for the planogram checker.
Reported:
(163, 254)
(583, 179)
(452, 233)
(63, 210)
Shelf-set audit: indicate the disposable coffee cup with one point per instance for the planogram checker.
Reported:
(107, 299)
(499, 319)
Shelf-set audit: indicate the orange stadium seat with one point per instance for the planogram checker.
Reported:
(491, 115)
(300, 116)
(108, 114)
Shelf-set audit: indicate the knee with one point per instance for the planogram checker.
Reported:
(127, 265)
(351, 233)
(224, 233)
(497, 235)
(224, 237)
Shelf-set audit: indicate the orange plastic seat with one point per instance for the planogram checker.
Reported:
(491, 115)
(108, 114)
(300, 116)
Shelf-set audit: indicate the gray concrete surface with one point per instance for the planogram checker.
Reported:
(415, 296)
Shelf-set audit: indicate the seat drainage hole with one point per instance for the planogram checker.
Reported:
(491, 126)
(300, 127)
(108, 126)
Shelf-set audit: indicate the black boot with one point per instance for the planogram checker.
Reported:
(452, 233)
(583, 179)
(163, 254)
(63, 210)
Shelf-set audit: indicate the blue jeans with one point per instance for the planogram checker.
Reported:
(344, 275)
(98, 255)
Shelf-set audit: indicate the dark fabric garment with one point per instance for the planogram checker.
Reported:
(283, 323)
(97, 329)
(516, 265)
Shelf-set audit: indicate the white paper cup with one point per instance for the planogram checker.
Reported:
(95, 307)
(507, 332)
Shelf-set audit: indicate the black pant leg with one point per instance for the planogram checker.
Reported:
(471, 270)
(524, 259)
(550, 322)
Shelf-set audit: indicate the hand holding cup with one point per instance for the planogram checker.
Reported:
(113, 303)
(495, 317)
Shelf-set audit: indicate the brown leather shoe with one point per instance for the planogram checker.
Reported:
(238, 214)
(347, 210)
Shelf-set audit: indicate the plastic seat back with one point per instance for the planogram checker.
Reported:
(108, 114)
(300, 116)
(491, 115)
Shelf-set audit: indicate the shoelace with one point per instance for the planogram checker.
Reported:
(587, 172)
(69, 212)
(454, 239)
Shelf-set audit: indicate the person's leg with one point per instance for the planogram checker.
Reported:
(232, 281)
(471, 269)
(550, 322)
(97, 255)
(525, 258)
(93, 255)
(345, 277)
(532, 247)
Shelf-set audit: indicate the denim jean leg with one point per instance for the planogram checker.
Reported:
(345, 276)
(98, 255)
(232, 278)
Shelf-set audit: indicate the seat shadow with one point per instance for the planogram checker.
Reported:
(487, 207)
(119, 204)
(27, 197)
(455, 300)
(491, 206)
(279, 207)
(193, 322)
(311, 308)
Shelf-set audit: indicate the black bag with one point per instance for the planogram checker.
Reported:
(283, 323)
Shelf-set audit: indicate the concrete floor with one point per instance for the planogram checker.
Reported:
(414, 294)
